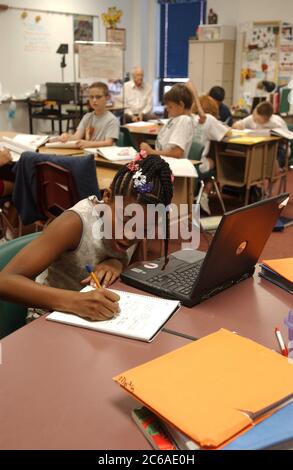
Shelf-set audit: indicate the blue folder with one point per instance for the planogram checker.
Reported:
(271, 432)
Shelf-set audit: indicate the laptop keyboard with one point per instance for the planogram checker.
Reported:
(181, 281)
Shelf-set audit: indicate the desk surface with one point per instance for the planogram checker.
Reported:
(253, 308)
(57, 390)
(245, 139)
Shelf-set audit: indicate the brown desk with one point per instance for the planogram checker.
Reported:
(253, 308)
(242, 163)
(57, 390)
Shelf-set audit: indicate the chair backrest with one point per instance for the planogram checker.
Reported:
(127, 140)
(195, 151)
(120, 141)
(12, 316)
(56, 189)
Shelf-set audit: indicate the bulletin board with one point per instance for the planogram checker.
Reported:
(260, 57)
(267, 54)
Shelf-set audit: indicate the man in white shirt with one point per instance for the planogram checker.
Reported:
(138, 98)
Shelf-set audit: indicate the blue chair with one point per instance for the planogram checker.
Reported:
(12, 316)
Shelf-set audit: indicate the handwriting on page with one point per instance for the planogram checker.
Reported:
(136, 315)
(125, 383)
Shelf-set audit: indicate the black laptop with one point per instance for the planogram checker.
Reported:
(193, 276)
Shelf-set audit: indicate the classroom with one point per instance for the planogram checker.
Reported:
(146, 229)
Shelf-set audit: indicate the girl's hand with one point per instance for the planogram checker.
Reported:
(96, 305)
(107, 272)
(148, 149)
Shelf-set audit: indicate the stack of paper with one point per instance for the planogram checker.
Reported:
(278, 271)
(214, 388)
(181, 167)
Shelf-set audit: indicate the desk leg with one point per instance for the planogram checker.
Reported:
(249, 157)
(264, 166)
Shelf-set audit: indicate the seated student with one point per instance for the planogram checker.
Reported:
(75, 239)
(175, 138)
(205, 132)
(218, 94)
(6, 187)
(263, 117)
(99, 128)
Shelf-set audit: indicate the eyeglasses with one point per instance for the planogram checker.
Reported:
(97, 97)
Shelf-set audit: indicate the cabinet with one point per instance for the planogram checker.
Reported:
(211, 63)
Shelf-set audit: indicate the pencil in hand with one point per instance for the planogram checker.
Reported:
(91, 272)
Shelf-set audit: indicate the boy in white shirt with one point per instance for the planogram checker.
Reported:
(175, 138)
(263, 117)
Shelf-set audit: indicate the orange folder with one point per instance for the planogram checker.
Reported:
(213, 388)
(284, 267)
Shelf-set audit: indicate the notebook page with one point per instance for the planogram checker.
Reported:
(140, 318)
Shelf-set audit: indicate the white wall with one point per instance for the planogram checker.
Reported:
(235, 12)
(239, 11)
(139, 20)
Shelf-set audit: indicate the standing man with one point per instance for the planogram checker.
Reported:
(138, 98)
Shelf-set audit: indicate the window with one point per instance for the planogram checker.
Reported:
(179, 20)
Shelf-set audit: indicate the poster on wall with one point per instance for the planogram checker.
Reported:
(83, 29)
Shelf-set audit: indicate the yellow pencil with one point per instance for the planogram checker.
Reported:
(90, 270)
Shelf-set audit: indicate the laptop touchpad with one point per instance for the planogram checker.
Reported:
(189, 256)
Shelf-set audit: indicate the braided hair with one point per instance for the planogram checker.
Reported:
(158, 188)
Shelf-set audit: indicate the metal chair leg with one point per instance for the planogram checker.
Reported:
(219, 194)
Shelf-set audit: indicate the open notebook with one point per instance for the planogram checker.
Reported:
(141, 316)
(70, 144)
(114, 153)
(22, 143)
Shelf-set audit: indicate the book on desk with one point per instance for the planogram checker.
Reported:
(141, 316)
(245, 384)
(113, 153)
(22, 143)
(70, 144)
(254, 133)
(279, 272)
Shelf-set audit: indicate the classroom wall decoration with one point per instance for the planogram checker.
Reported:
(100, 61)
(83, 28)
(267, 54)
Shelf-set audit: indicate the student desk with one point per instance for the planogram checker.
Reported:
(253, 308)
(57, 390)
(246, 163)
